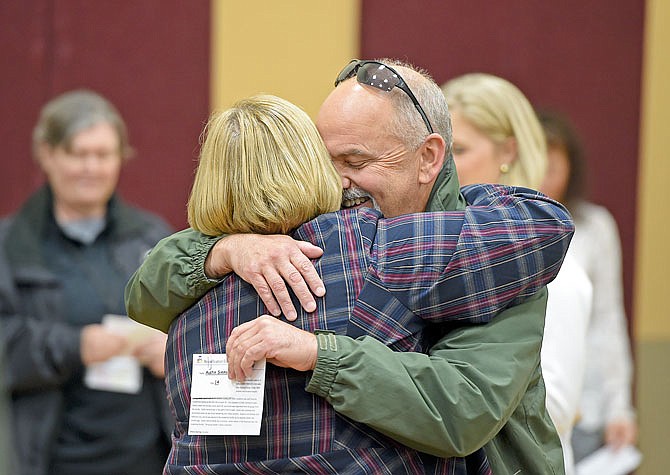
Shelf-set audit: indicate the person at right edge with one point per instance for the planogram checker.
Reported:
(498, 139)
(606, 414)
(479, 386)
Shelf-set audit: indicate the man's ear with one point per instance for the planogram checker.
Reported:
(43, 155)
(432, 157)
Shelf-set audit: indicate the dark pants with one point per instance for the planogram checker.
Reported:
(586, 442)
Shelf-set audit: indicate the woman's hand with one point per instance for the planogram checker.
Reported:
(266, 337)
(621, 432)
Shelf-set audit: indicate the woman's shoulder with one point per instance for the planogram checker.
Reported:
(594, 214)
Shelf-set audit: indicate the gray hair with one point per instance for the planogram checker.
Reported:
(407, 123)
(70, 113)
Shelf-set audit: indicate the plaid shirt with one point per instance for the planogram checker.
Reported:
(403, 281)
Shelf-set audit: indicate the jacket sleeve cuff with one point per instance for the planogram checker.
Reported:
(327, 359)
(197, 279)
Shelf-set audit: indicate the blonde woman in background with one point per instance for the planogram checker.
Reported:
(498, 139)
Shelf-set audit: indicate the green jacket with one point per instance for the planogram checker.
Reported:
(479, 385)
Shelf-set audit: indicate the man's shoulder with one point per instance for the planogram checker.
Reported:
(130, 217)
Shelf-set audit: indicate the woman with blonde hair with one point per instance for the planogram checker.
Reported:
(499, 139)
(264, 169)
(254, 178)
(500, 111)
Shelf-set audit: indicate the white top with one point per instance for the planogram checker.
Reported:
(564, 348)
(608, 375)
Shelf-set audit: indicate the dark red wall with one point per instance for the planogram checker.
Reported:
(583, 57)
(149, 57)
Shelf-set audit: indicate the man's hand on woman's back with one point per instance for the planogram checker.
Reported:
(269, 262)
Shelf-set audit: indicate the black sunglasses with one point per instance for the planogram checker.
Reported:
(376, 74)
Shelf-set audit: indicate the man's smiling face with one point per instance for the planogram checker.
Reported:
(376, 167)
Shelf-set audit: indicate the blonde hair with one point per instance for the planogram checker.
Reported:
(500, 111)
(263, 169)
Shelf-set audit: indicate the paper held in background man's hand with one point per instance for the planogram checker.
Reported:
(123, 373)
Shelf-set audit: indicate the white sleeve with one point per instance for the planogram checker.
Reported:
(609, 331)
(564, 345)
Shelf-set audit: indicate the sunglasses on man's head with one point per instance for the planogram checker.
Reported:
(379, 75)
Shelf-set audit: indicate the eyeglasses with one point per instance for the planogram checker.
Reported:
(376, 74)
(101, 155)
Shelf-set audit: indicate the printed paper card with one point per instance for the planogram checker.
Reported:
(220, 406)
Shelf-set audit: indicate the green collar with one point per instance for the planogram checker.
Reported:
(446, 194)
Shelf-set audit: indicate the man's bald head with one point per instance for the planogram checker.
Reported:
(380, 143)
